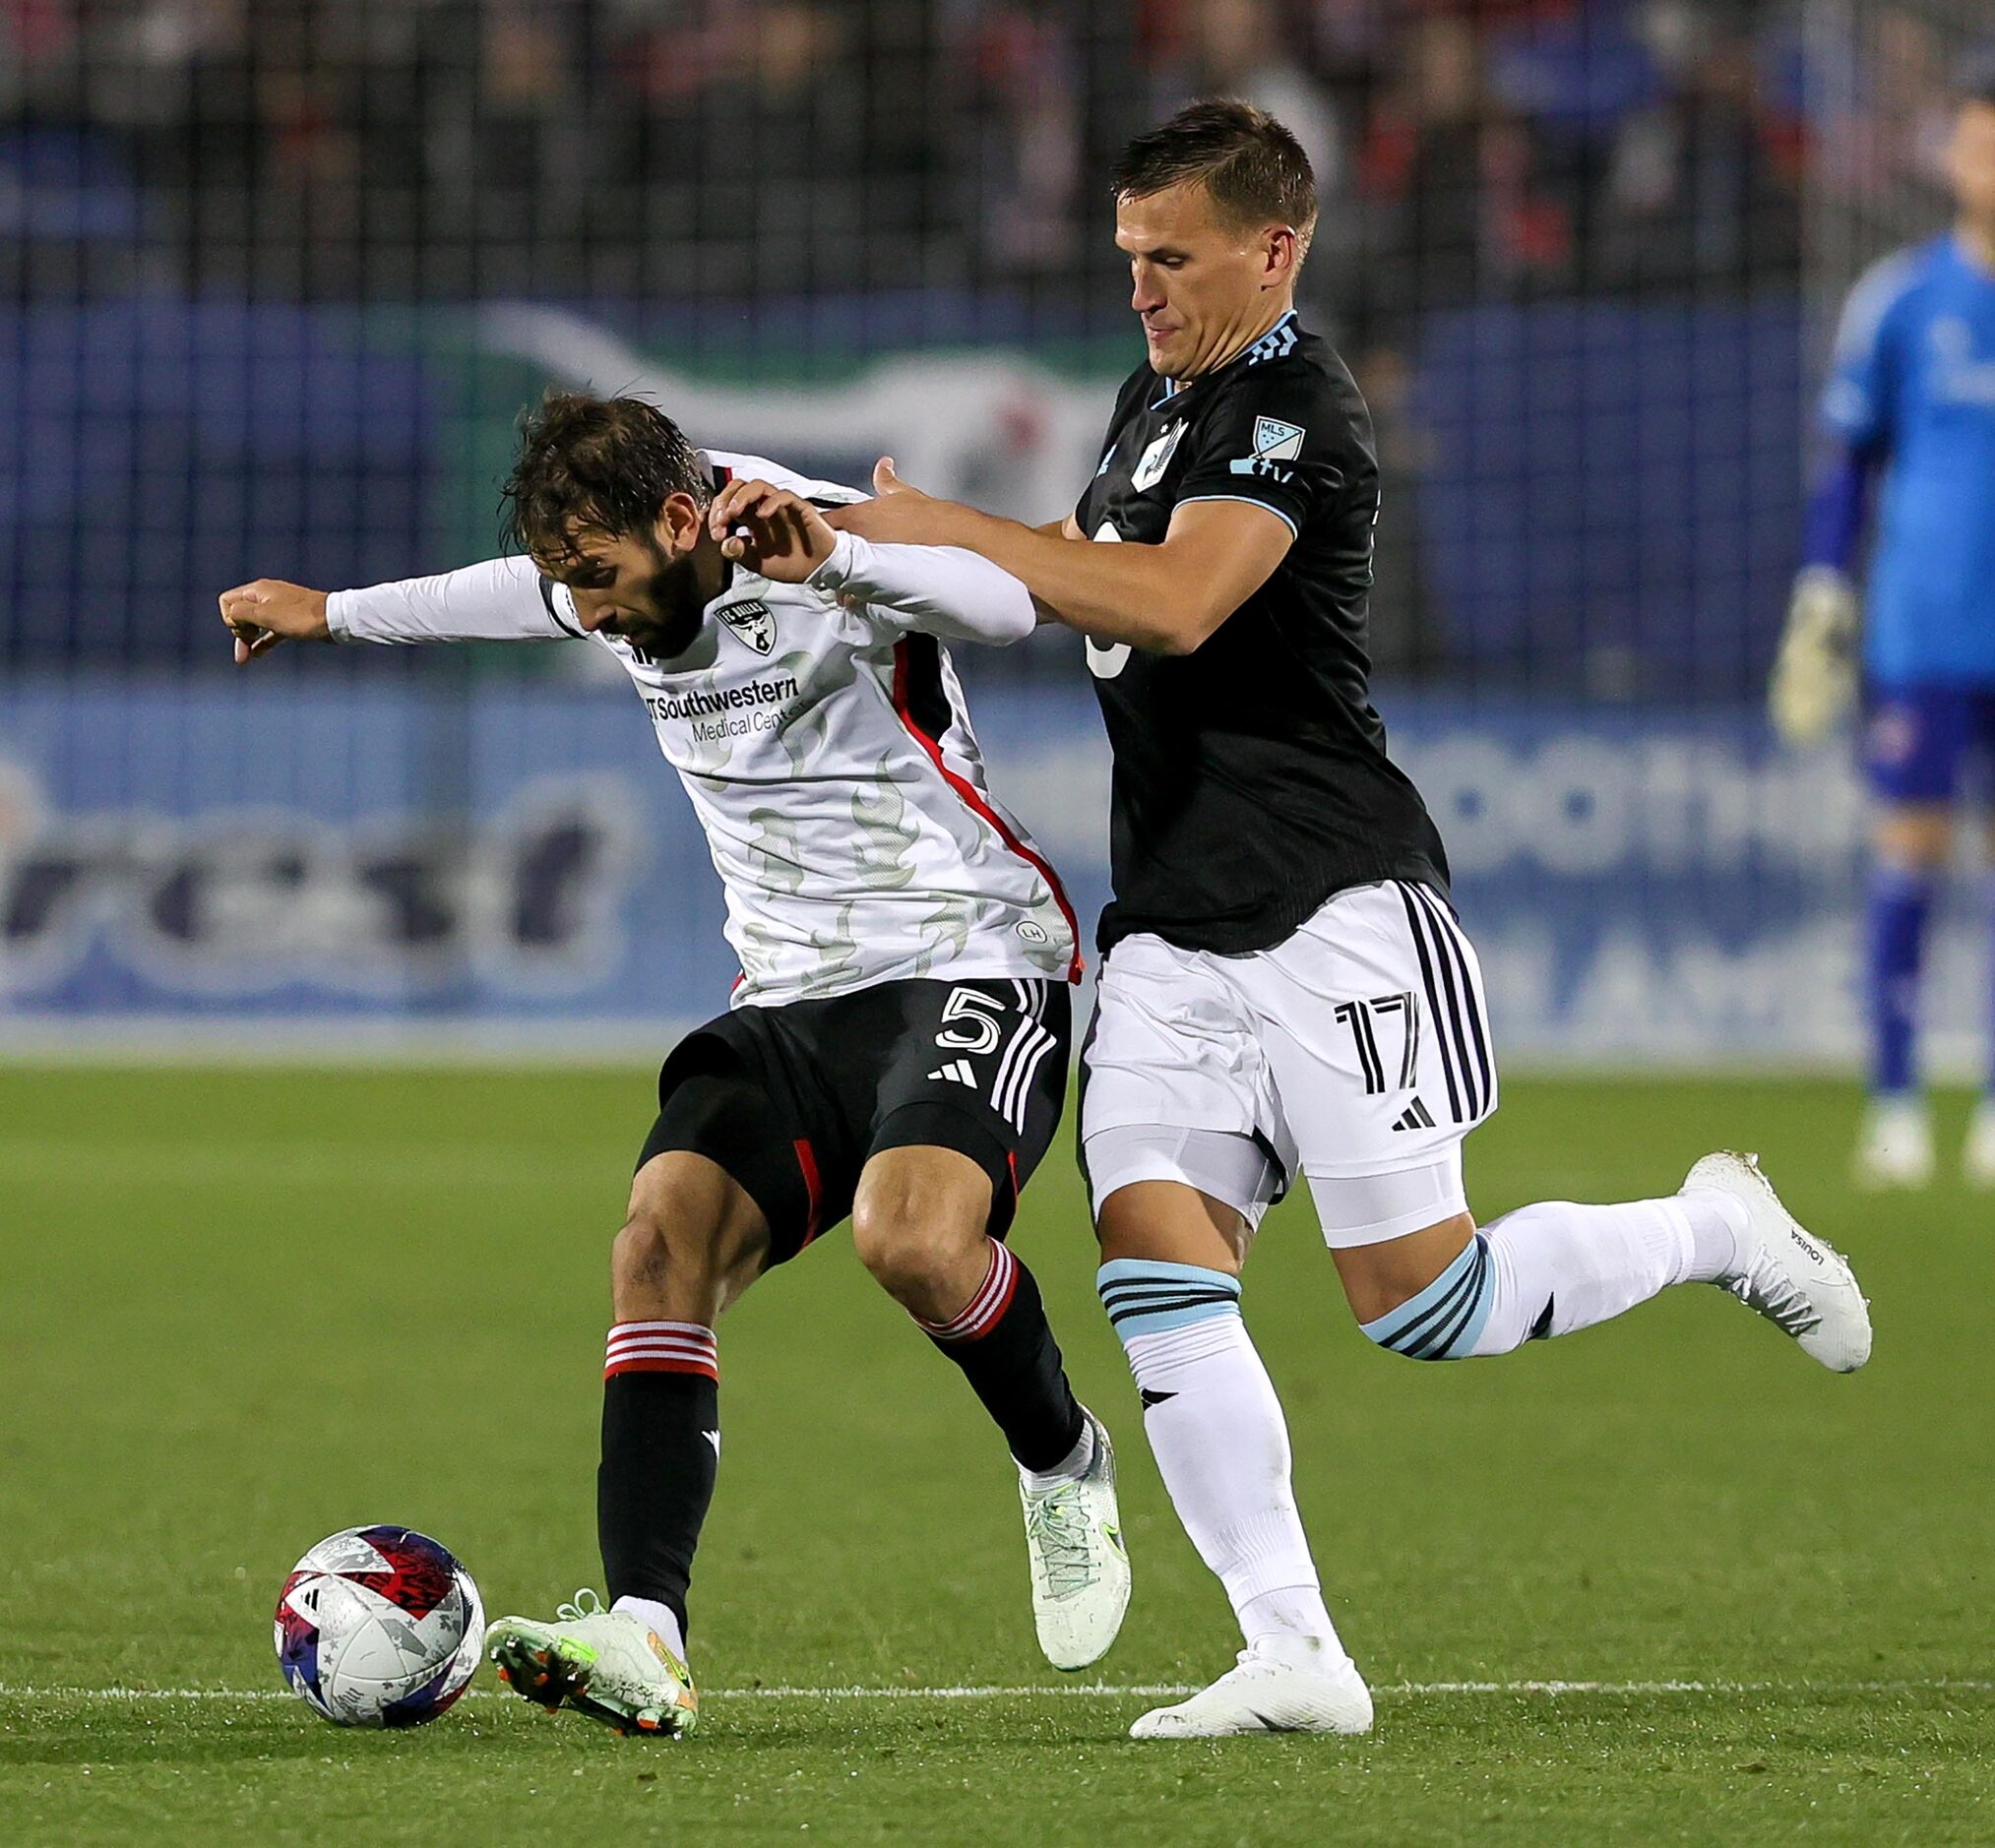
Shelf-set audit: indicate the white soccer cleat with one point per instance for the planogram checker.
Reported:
(1274, 1688)
(610, 1665)
(1977, 1159)
(1799, 1282)
(1080, 1566)
(1894, 1146)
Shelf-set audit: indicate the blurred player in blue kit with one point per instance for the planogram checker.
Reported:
(1910, 411)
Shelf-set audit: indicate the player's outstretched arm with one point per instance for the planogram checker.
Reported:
(1168, 598)
(502, 599)
(941, 590)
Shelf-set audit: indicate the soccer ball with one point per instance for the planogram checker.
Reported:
(379, 1627)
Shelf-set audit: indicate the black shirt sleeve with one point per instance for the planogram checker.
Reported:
(1126, 402)
(1274, 436)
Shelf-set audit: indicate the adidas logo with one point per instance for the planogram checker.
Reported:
(1414, 1117)
(957, 1072)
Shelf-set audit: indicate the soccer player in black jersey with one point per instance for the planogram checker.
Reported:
(1286, 989)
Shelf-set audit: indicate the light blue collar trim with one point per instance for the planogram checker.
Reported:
(1178, 384)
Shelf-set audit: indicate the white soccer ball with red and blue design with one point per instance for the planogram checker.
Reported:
(379, 1627)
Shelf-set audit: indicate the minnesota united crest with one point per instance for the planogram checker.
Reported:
(1157, 459)
(752, 622)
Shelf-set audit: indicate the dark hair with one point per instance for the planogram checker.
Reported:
(1977, 82)
(600, 465)
(1254, 168)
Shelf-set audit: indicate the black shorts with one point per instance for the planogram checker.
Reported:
(793, 1100)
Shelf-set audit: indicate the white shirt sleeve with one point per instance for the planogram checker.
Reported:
(503, 599)
(939, 589)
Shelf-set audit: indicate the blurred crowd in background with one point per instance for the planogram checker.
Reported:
(1581, 255)
(437, 148)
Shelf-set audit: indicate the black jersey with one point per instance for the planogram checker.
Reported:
(1251, 776)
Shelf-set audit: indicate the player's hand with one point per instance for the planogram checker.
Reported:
(1814, 680)
(262, 614)
(775, 533)
(899, 513)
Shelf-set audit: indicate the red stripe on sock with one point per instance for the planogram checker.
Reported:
(662, 1347)
(987, 1308)
(662, 1364)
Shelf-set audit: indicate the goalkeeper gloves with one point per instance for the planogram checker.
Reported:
(1815, 672)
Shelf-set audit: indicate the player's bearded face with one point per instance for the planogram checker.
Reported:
(1200, 284)
(1971, 158)
(645, 587)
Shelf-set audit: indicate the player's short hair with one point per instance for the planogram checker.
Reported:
(595, 465)
(1252, 167)
(1977, 81)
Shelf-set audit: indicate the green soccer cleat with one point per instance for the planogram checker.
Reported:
(607, 1664)
(1080, 1566)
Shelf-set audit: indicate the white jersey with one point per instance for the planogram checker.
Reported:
(825, 747)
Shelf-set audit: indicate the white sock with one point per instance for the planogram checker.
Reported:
(1070, 1468)
(1720, 1227)
(665, 1625)
(1221, 1446)
(1293, 1623)
(1558, 1267)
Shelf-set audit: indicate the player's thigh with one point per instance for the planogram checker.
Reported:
(977, 1070)
(1377, 1033)
(1916, 743)
(1182, 1147)
(731, 1153)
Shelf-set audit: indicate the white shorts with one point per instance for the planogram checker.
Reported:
(1356, 1052)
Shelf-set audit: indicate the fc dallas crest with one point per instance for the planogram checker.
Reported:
(752, 622)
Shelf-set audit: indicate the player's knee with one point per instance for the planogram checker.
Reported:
(914, 1218)
(900, 1243)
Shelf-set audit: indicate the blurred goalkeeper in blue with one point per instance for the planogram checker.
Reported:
(1909, 413)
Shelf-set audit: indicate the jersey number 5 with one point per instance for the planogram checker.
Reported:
(975, 1014)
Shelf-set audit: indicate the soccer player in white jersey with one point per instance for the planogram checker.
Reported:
(897, 1047)
(1286, 990)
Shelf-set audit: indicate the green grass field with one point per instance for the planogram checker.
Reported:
(239, 1309)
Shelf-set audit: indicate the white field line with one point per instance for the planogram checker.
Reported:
(1116, 1690)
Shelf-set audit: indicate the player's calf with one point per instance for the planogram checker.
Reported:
(692, 1240)
(918, 1224)
(1551, 1269)
(1559, 1266)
